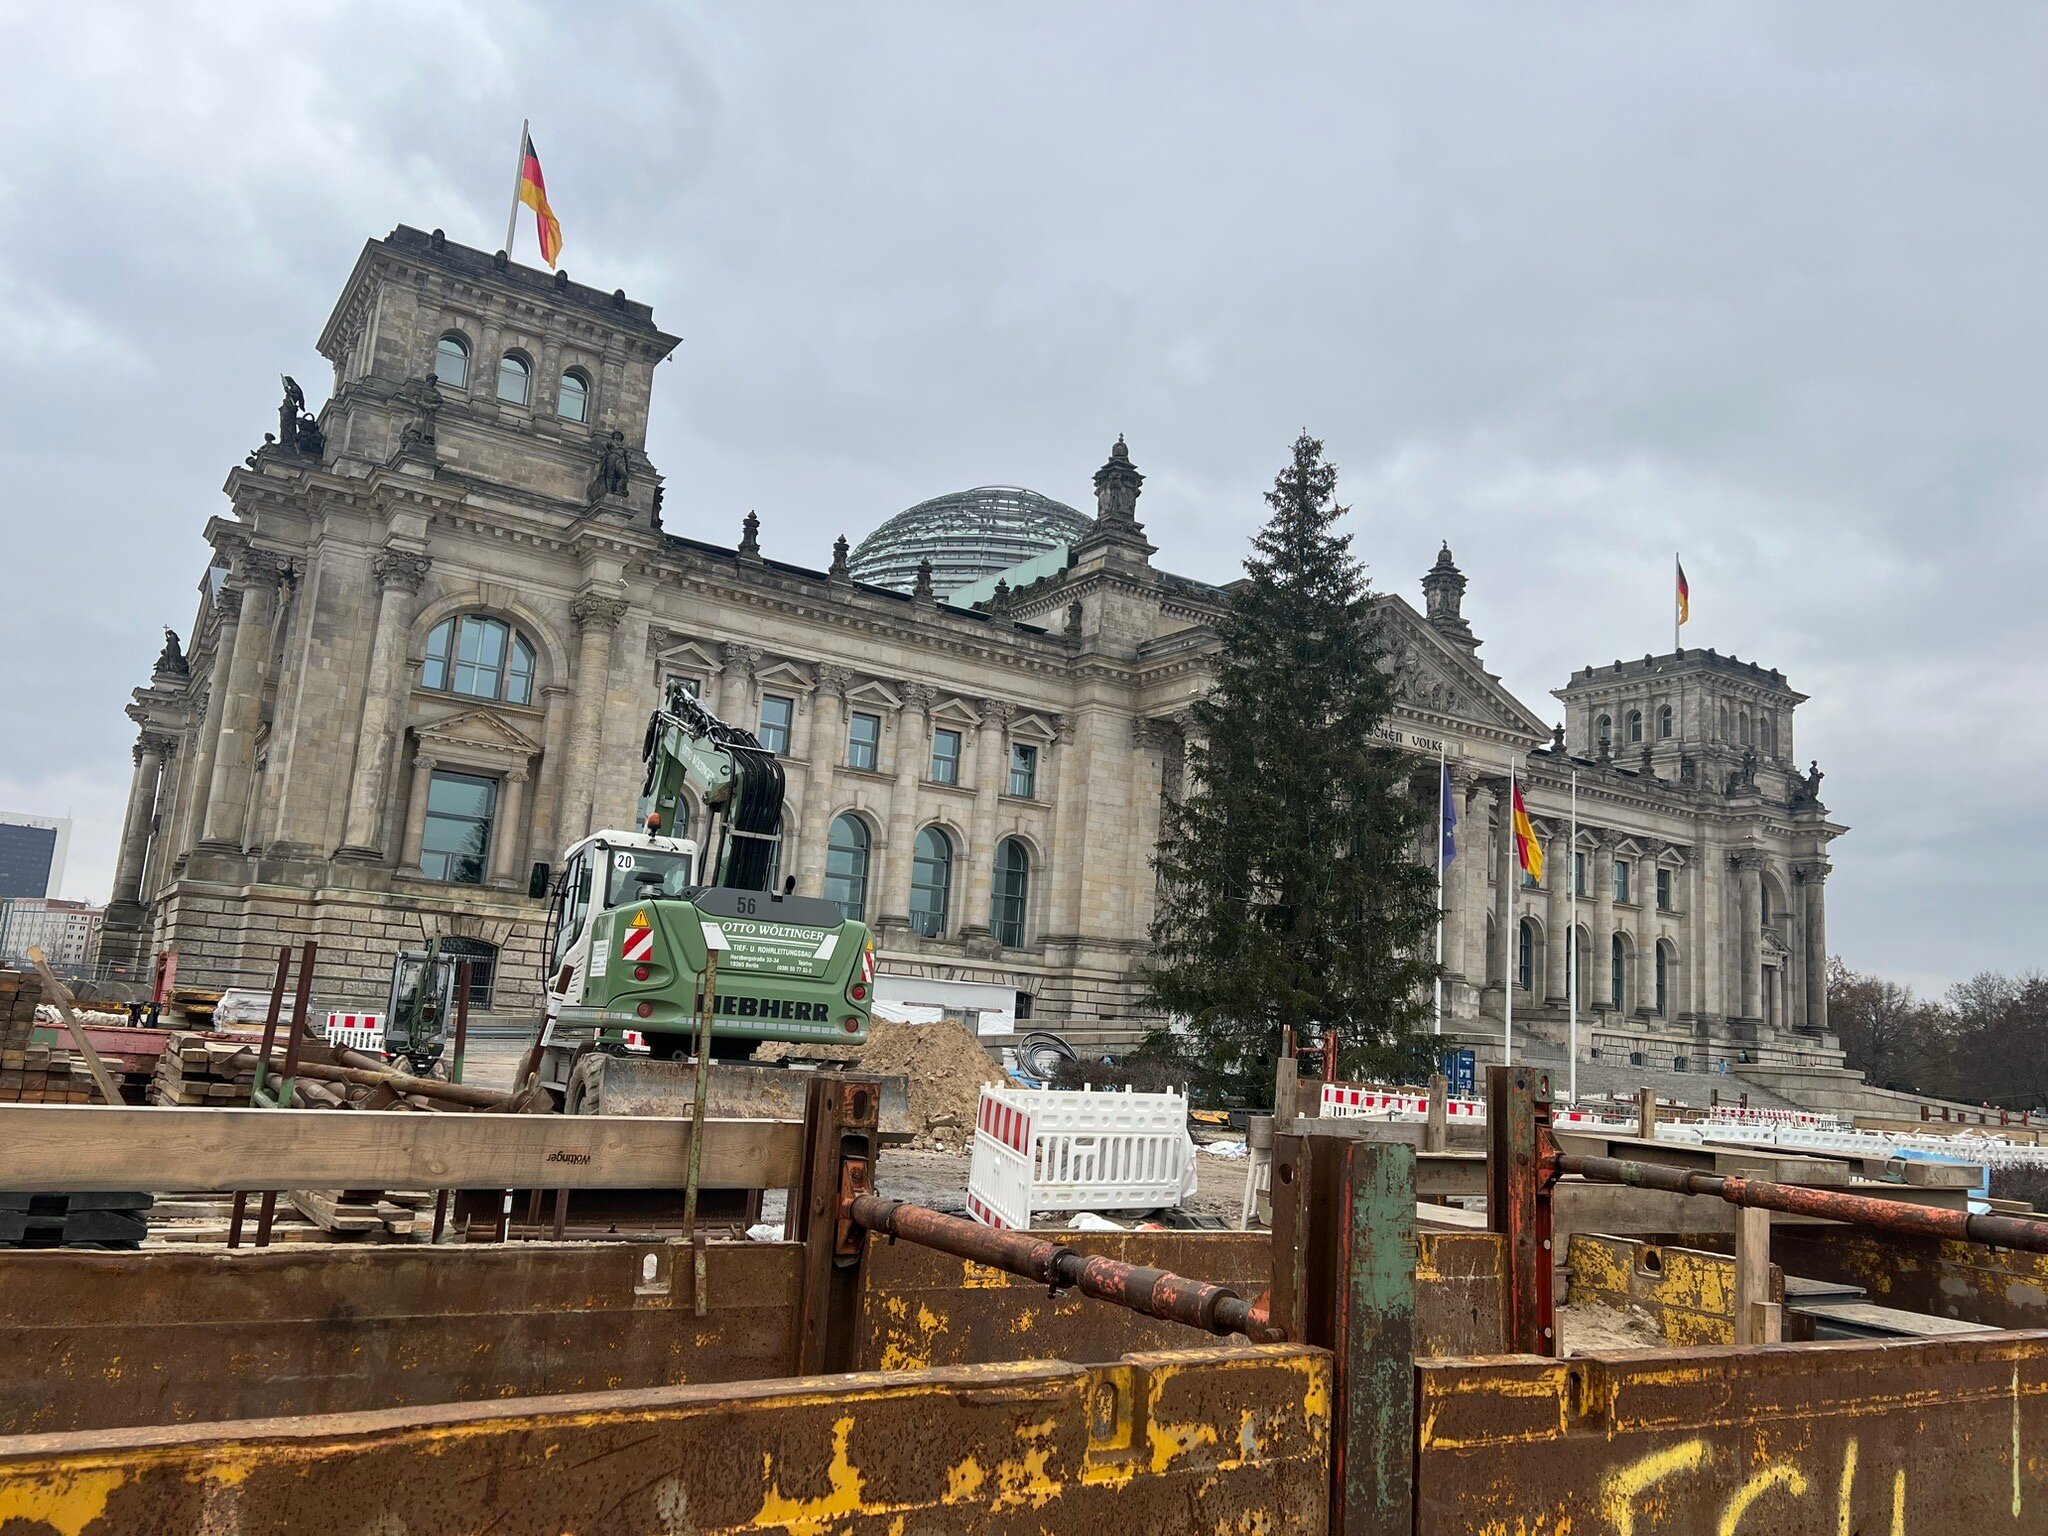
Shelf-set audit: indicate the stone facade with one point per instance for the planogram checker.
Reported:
(287, 769)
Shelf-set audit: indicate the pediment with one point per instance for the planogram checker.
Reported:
(1032, 726)
(1432, 675)
(786, 676)
(954, 712)
(874, 694)
(477, 730)
(687, 656)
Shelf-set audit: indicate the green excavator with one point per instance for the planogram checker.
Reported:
(636, 915)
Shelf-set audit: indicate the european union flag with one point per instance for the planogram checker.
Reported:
(1450, 815)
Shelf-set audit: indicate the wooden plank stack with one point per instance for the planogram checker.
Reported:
(33, 1074)
(199, 1069)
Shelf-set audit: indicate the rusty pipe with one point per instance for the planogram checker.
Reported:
(2025, 1233)
(1155, 1292)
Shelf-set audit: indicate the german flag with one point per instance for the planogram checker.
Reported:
(533, 191)
(1684, 596)
(1528, 852)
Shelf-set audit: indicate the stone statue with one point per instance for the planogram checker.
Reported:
(424, 395)
(923, 587)
(839, 553)
(290, 411)
(1806, 787)
(1073, 621)
(311, 440)
(1556, 731)
(750, 535)
(657, 504)
(1000, 603)
(614, 468)
(173, 657)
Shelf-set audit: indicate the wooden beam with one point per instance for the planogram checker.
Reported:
(61, 996)
(86, 1147)
(1757, 1319)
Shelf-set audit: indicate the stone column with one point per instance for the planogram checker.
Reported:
(1507, 880)
(596, 617)
(506, 834)
(1599, 989)
(135, 827)
(234, 762)
(736, 687)
(913, 750)
(1467, 882)
(989, 775)
(227, 604)
(1749, 874)
(399, 573)
(1813, 875)
(1645, 892)
(1557, 880)
(423, 764)
(827, 746)
(1455, 921)
(1070, 830)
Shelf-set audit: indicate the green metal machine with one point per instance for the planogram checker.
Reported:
(636, 915)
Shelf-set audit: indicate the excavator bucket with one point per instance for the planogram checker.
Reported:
(638, 1085)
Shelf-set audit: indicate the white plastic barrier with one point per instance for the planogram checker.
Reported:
(357, 1031)
(1052, 1149)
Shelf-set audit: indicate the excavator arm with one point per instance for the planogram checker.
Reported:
(738, 781)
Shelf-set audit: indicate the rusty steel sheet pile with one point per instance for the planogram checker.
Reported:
(1239, 1433)
(1927, 1436)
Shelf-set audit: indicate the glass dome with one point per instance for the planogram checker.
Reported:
(966, 535)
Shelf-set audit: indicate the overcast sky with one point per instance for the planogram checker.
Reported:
(1571, 287)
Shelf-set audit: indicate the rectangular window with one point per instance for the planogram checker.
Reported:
(1621, 874)
(457, 841)
(693, 686)
(1663, 891)
(945, 757)
(1579, 886)
(776, 714)
(863, 741)
(1023, 770)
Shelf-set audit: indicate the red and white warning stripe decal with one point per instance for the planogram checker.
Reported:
(1012, 1127)
(638, 945)
(867, 966)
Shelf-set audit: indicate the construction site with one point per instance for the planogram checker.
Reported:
(668, 1266)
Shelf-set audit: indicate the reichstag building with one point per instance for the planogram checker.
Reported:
(433, 617)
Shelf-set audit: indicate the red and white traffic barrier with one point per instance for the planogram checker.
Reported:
(1053, 1149)
(356, 1031)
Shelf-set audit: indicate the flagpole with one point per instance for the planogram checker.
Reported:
(1677, 575)
(1571, 948)
(1443, 790)
(1510, 955)
(518, 175)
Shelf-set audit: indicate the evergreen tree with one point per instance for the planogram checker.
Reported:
(1290, 891)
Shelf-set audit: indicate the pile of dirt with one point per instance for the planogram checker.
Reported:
(943, 1063)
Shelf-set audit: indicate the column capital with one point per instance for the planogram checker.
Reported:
(227, 606)
(1151, 733)
(834, 679)
(1747, 860)
(742, 659)
(400, 570)
(919, 696)
(997, 712)
(425, 762)
(515, 775)
(261, 568)
(162, 743)
(596, 611)
(1812, 871)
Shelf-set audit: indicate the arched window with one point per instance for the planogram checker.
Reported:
(931, 882)
(846, 866)
(483, 966)
(515, 378)
(1635, 726)
(481, 657)
(451, 361)
(1603, 730)
(1617, 989)
(1769, 739)
(1664, 723)
(1663, 977)
(1011, 891)
(1525, 957)
(572, 401)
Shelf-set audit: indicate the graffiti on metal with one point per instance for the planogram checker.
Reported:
(1882, 1440)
